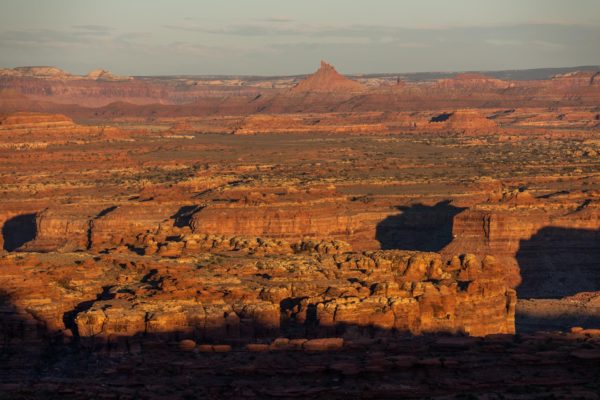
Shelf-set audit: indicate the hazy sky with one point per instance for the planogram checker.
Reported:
(284, 37)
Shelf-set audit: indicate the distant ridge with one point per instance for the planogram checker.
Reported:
(516, 74)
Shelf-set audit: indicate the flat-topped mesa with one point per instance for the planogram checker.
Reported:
(472, 80)
(26, 130)
(327, 79)
(298, 123)
(38, 72)
(576, 79)
(53, 73)
(34, 120)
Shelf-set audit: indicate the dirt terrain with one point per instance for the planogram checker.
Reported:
(303, 238)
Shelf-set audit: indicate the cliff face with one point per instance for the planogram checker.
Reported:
(343, 124)
(69, 228)
(61, 229)
(124, 224)
(329, 219)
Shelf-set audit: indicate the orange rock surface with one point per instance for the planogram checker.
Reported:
(280, 237)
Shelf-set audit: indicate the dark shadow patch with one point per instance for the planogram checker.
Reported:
(441, 117)
(562, 318)
(105, 211)
(418, 227)
(18, 230)
(558, 262)
(69, 316)
(183, 216)
(37, 363)
(553, 194)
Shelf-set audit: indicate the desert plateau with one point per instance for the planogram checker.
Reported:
(315, 236)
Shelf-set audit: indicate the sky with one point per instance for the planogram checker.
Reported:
(285, 37)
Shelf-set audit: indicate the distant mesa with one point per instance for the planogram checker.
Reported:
(470, 76)
(472, 80)
(327, 79)
(53, 73)
(104, 75)
(27, 130)
(43, 72)
(579, 78)
(34, 119)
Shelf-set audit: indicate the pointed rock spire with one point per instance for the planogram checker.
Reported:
(327, 79)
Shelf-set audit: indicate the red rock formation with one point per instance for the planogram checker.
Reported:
(125, 224)
(25, 120)
(292, 215)
(38, 130)
(61, 229)
(327, 79)
(256, 124)
(38, 72)
(472, 82)
(104, 75)
(576, 80)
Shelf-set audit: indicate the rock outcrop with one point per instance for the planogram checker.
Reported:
(37, 72)
(24, 120)
(104, 75)
(256, 124)
(213, 296)
(37, 130)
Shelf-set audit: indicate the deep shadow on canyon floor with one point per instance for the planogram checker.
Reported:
(419, 227)
(378, 365)
(550, 271)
